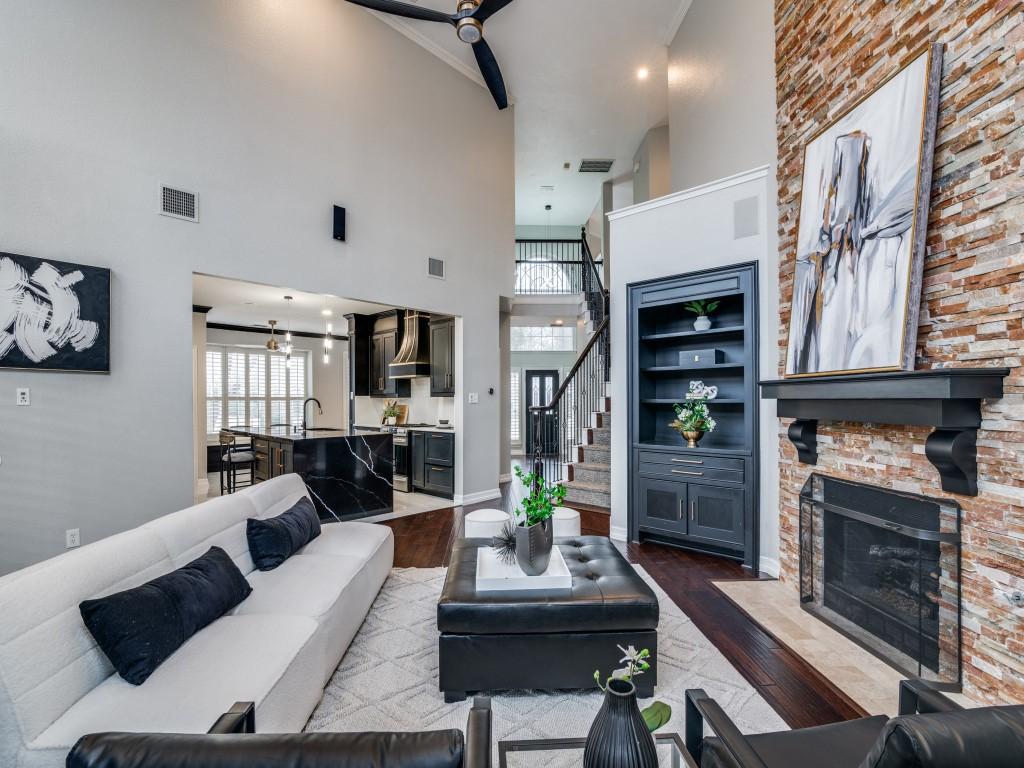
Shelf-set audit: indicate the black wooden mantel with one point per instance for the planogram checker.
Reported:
(946, 399)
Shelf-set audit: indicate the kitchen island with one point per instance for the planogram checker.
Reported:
(349, 473)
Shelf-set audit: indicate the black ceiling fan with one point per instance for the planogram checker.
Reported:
(468, 21)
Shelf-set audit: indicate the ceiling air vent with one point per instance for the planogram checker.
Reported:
(435, 268)
(179, 203)
(595, 166)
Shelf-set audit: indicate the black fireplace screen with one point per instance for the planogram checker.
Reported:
(883, 568)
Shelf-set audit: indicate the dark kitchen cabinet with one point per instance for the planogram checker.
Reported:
(417, 442)
(433, 463)
(442, 357)
(383, 348)
(261, 466)
(280, 455)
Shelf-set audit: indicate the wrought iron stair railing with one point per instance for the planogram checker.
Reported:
(554, 268)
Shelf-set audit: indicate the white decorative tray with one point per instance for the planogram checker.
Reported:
(492, 575)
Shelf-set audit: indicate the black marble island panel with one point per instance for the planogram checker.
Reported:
(348, 473)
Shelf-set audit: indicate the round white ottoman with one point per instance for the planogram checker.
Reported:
(567, 522)
(484, 523)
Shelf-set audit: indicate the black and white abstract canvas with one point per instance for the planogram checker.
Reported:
(861, 238)
(54, 316)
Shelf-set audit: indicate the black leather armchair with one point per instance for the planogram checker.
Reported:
(932, 731)
(232, 744)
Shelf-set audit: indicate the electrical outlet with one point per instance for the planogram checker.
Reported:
(1016, 599)
(24, 396)
(474, 398)
(72, 538)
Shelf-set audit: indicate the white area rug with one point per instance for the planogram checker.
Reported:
(388, 678)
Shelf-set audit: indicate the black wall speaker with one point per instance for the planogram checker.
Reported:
(339, 223)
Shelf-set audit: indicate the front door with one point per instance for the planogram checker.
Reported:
(541, 387)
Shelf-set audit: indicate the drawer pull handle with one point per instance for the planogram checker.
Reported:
(437, 469)
(688, 461)
(693, 510)
(687, 472)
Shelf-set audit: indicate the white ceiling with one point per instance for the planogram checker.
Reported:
(570, 67)
(235, 302)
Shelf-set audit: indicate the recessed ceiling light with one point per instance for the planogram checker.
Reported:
(559, 322)
(642, 73)
(326, 312)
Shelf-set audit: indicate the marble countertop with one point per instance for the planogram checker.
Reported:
(431, 428)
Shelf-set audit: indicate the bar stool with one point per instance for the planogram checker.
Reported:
(566, 521)
(484, 523)
(235, 458)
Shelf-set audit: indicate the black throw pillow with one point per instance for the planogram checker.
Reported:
(273, 541)
(138, 629)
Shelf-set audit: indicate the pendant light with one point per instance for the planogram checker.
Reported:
(288, 334)
(272, 344)
(328, 328)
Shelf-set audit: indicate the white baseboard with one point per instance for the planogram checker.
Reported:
(476, 498)
(618, 533)
(769, 566)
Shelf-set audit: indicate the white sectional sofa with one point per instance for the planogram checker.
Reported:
(277, 648)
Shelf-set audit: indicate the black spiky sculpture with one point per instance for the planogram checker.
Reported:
(505, 543)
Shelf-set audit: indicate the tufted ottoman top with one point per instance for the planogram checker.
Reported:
(607, 595)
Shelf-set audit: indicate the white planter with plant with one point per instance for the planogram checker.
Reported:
(703, 309)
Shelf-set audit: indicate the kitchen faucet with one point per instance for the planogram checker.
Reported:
(306, 402)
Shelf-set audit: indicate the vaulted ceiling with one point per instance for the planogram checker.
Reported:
(571, 68)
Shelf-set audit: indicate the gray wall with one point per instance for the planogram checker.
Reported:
(272, 112)
(652, 167)
(685, 232)
(721, 80)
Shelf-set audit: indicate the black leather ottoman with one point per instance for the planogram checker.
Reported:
(548, 640)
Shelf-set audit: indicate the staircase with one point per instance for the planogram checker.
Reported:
(589, 477)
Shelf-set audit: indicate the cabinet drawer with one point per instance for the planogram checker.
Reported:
(260, 446)
(690, 473)
(441, 479)
(440, 449)
(690, 460)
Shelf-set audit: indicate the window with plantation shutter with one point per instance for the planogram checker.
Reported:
(515, 394)
(254, 388)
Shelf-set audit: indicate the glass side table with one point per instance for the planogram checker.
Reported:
(568, 753)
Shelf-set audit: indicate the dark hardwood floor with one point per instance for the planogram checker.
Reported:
(800, 695)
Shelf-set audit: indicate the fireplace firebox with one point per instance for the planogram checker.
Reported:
(883, 568)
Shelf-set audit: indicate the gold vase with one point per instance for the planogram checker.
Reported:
(692, 436)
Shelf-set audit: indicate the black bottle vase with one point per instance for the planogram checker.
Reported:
(619, 737)
(533, 547)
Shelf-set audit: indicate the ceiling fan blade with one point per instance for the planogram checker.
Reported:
(488, 8)
(407, 10)
(492, 74)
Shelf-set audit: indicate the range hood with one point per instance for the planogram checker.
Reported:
(413, 358)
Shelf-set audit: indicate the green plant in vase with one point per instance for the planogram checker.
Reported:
(534, 530)
(702, 308)
(391, 412)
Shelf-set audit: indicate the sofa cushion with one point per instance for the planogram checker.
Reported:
(272, 497)
(139, 628)
(48, 659)
(358, 540)
(274, 540)
(270, 660)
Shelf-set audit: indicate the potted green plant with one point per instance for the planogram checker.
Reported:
(391, 412)
(621, 734)
(693, 419)
(702, 308)
(534, 531)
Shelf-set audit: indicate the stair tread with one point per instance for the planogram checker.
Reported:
(593, 466)
(581, 486)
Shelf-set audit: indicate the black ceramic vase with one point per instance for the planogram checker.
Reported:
(619, 737)
(533, 547)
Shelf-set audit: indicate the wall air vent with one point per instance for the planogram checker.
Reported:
(435, 268)
(595, 166)
(179, 203)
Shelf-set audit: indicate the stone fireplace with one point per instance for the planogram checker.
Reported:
(883, 568)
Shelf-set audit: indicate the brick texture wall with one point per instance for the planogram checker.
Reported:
(829, 53)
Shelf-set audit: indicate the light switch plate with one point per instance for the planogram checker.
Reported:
(474, 398)
(24, 397)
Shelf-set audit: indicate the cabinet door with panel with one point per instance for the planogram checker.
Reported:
(440, 449)
(442, 344)
(661, 504)
(418, 442)
(716, 514)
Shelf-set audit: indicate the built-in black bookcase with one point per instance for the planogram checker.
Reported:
(706, 497)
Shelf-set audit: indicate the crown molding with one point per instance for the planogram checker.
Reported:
(677, 21)
(407, 29)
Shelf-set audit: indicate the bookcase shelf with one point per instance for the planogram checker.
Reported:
(714, 507)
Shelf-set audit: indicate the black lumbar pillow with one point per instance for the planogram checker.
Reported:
(273, 541)
(140, 628)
